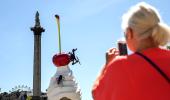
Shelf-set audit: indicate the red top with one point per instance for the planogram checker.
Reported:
(133, 78)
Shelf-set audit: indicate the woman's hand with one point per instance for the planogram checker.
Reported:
(111, 54)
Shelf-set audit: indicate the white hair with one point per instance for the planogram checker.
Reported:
(146, 22)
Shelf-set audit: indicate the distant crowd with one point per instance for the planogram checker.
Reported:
(18, 95)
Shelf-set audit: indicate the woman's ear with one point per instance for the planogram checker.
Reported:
(129, 33)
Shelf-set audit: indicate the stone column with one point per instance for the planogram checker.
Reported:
(37, 29)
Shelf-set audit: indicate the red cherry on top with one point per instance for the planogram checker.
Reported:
(61, 59)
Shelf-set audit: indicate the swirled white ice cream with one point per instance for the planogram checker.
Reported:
(63, 85)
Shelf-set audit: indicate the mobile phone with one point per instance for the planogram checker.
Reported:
(122, 48)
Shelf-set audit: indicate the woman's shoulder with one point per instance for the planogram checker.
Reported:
(157, 52)
(118, 61)
(124, 59)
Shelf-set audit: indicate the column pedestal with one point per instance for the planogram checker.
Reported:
(36, 98)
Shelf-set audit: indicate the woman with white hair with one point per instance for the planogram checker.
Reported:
(144, 74)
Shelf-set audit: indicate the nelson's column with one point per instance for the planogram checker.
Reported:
(37, 29)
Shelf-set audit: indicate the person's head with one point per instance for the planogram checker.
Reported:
(143, 26)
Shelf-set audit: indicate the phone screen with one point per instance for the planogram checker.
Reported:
(122, 48)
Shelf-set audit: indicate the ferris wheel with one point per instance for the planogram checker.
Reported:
(21, 88)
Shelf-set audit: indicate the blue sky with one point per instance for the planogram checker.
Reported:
(91, 26)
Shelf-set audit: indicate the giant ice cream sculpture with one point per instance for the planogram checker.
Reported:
(63, 85)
